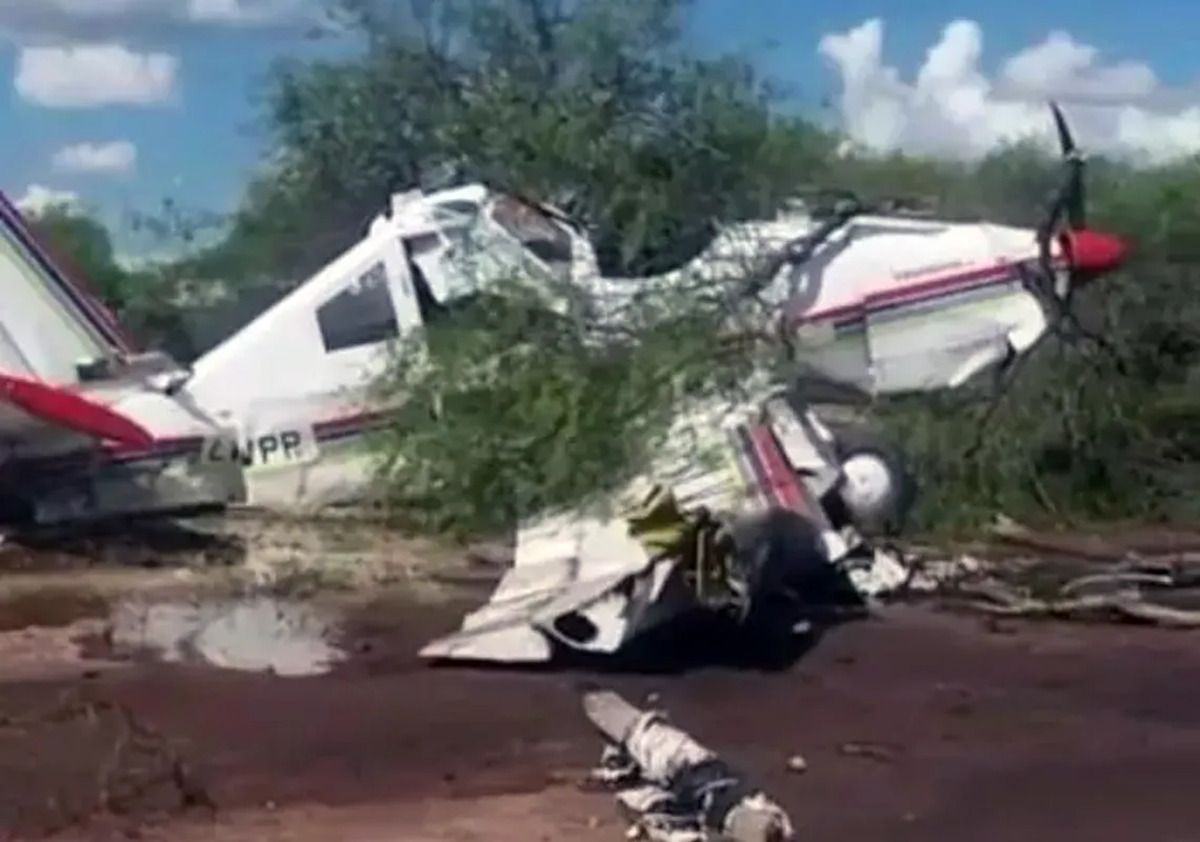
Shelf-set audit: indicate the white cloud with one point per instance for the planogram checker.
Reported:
(216, 10)
(242, 11)
(38, 199)
(94, 75)
(75, 20)
(953, 108)
(116, 157)
(1061, 66)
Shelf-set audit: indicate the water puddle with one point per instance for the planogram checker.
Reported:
(256, 634)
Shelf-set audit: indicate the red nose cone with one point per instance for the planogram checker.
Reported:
(1092, 252)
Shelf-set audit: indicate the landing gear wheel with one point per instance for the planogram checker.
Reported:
(877, 491)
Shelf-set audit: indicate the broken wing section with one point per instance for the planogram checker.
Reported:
(595, 578)
(580, 581)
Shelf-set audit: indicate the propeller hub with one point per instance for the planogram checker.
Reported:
(1091, 253)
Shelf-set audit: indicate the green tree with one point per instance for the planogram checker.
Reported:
(83, 245)
(592, 106)
(149, 300)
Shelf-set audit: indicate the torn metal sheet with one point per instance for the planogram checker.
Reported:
(594, 579)
(883, 574)
(676, 789)
(579, 582)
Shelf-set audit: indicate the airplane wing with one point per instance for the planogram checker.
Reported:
(53, 333)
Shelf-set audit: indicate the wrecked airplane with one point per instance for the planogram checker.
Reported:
(883, 304)
(274, 416)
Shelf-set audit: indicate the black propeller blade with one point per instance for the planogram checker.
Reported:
(1073, 190)
(1068, 201)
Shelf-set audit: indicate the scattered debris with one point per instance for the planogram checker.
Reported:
(724, 520)
(256, 634)
(882, 574)
(1162, 590)
(676, 789)
(797, 764)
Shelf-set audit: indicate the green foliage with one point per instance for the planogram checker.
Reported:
(1074, 440)
(514, 410)
(82, 244)
(152, 300)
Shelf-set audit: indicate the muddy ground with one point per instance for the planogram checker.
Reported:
(915, 724)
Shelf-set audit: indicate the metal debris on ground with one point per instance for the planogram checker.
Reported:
(1071, 577)
(725, 519)
(890, 572)
(880, 752)
(676, 789)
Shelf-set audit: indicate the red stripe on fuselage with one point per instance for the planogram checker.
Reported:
(931, 288)
(780, 482)
(72, 411)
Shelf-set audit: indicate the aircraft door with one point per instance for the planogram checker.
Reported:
(359, 325)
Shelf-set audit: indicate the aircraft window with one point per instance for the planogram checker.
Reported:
(361, 314)
(536, 231)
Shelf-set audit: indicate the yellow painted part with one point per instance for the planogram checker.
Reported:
(658, 523)
(660, 526)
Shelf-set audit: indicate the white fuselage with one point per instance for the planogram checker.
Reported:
(885, 305)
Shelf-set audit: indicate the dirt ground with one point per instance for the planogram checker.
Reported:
(916, 724)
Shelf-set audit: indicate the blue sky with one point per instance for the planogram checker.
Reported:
(196, 136)
(783, 34)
